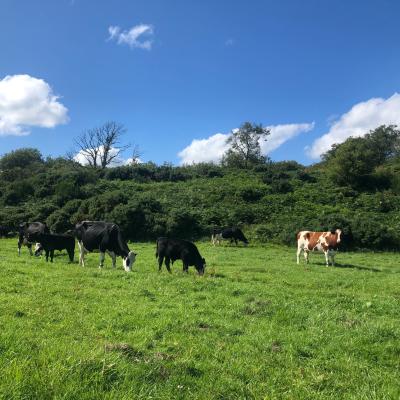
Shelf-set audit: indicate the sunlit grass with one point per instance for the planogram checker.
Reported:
(255, 326)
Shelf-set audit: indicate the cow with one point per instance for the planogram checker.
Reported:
(104, 237)
(50, 242)
(232, 234)
(5, 231)
(31, 230)
(177, 249)
(327, 242)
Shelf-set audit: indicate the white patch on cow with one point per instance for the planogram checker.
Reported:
(128, 261)
(102, 257)
(216, 238)
(82, 252)
(38, 249)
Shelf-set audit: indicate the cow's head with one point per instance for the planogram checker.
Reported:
(128, 261)
(201, 266)
(338, 235)
(38, 249)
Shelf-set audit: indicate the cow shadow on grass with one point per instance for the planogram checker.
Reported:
(359, 267)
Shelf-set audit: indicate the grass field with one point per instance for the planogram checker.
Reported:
(256, 326)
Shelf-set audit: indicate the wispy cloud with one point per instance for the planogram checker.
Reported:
(213, 148)
(229, 42)
(358, 121)
(139, 36)
(27, 102)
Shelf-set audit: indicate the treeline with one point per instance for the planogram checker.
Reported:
(356, 187)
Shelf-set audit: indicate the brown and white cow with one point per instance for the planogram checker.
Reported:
(327, 242)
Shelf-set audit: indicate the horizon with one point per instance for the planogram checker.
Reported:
(181, 77)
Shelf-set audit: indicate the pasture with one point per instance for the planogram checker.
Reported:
(256, 326)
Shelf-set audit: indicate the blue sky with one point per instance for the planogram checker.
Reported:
(315, 72)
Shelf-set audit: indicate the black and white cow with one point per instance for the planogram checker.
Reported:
(103, 237)
(231, 234)
(177, 249)
(50, 242)
(28, 232)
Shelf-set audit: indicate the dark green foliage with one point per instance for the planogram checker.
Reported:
(355, 162)
(21, 158)
(270, 201)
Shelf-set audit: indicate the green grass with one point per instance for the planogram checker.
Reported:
(256, 326)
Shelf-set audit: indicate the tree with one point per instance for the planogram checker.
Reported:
(355, 162)
(101, 146)
(245, 147)
(21, 158)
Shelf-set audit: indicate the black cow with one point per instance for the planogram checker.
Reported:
(176, 249)
(232, 234)
(5, 231)
(30, 230)
(104, 237)
(50, 242)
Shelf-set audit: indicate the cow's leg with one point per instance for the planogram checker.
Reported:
(306, 255)
(160, 261)
(326, 252)
(332, 256)
(51, 255)
(299, 249)
(185, 267)
(167, 261)
(102, 257)
(113, 258)
(47, 255)
(19, 247)
(81, 254)
(29, 245)
(70, 252)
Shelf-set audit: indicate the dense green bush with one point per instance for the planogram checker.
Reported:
(271, 201)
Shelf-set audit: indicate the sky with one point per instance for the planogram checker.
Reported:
(181, 75)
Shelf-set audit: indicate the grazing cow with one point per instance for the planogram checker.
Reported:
(50, 242)
(327, 242)
(104, 237)
(30, 230)
(177, 249)
(232, 234)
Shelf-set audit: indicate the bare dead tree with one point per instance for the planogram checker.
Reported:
(101, 146)
(135, 155)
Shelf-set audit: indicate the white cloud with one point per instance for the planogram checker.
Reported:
(281, 134)
(229, 42)
(205, 150)
(358, 121)
(213, 148)
(134, 37)
(116, 162)
(26, 102)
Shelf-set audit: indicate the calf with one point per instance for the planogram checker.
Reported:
(28, 232)
(50, 242)
(177, 249)
(327, 242)
(232, 234)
